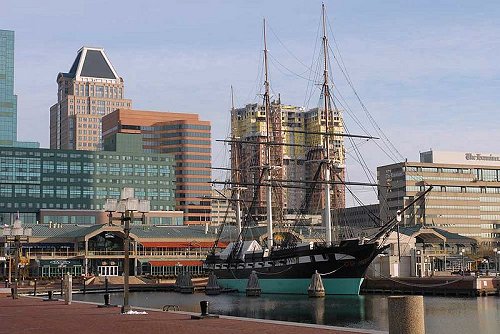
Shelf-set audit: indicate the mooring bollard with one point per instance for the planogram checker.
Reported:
(50, 295)
(106, 299)
(204, 307)
(34, 288)
(406, 315)
(204, 311)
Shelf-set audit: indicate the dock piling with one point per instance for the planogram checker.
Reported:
(212, 287)
(316, 288)
(68, 289)
(406, 315)
(253, 287)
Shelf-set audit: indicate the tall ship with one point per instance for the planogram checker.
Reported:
(286, 264)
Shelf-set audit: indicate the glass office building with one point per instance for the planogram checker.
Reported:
(8, 101)
(32, 179)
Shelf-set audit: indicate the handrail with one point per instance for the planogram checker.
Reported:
(63, 254)
(142, 253)
(170, 306)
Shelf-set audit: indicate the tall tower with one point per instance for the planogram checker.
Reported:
(8, 101)
(90, 90)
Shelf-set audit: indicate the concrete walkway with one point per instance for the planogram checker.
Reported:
(33, 315)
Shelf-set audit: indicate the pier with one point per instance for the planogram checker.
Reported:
(33, 315)
(435, 286)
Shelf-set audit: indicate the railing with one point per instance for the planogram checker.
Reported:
(141, 253)
(163, 255)
(108, 253)
(171, 254)
(438, 252)
(53, 254)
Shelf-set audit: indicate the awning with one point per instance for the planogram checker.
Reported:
(143, 260)
(160, 263)
(429, 238)
(181, 244)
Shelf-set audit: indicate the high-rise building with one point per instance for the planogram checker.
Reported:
(187, 139)
(465, 197)
(297, 141)
(90, 90)
(8, 101)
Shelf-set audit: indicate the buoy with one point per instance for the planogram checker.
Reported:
(253, 287)
(316, 288)
(212, 287)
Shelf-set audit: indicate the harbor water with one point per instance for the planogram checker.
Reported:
(442, 315)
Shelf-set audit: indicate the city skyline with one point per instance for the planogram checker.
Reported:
(416, 67)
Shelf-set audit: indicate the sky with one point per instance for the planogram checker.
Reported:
(426, 71)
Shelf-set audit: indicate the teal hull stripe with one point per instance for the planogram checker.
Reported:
(333, 286)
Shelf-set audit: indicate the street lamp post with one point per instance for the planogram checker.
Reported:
(497, 266)
(462, 265)
(126, 207)
(16, 234)
(495, 250)
(419, 263)
(497, 256)
(398, 219)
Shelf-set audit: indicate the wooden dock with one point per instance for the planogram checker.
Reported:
(436, 286)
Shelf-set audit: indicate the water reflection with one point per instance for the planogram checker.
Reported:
(442, 315)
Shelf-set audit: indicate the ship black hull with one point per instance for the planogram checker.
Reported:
(342, 268)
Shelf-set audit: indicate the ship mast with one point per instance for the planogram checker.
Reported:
(267, 167)
(326, 142)
(235, 173)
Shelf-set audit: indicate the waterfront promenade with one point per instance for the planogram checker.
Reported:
(33, 315)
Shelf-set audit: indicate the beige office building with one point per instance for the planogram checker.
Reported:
(90, 90)
(465, 197)
(222, 210)
(296, 150)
